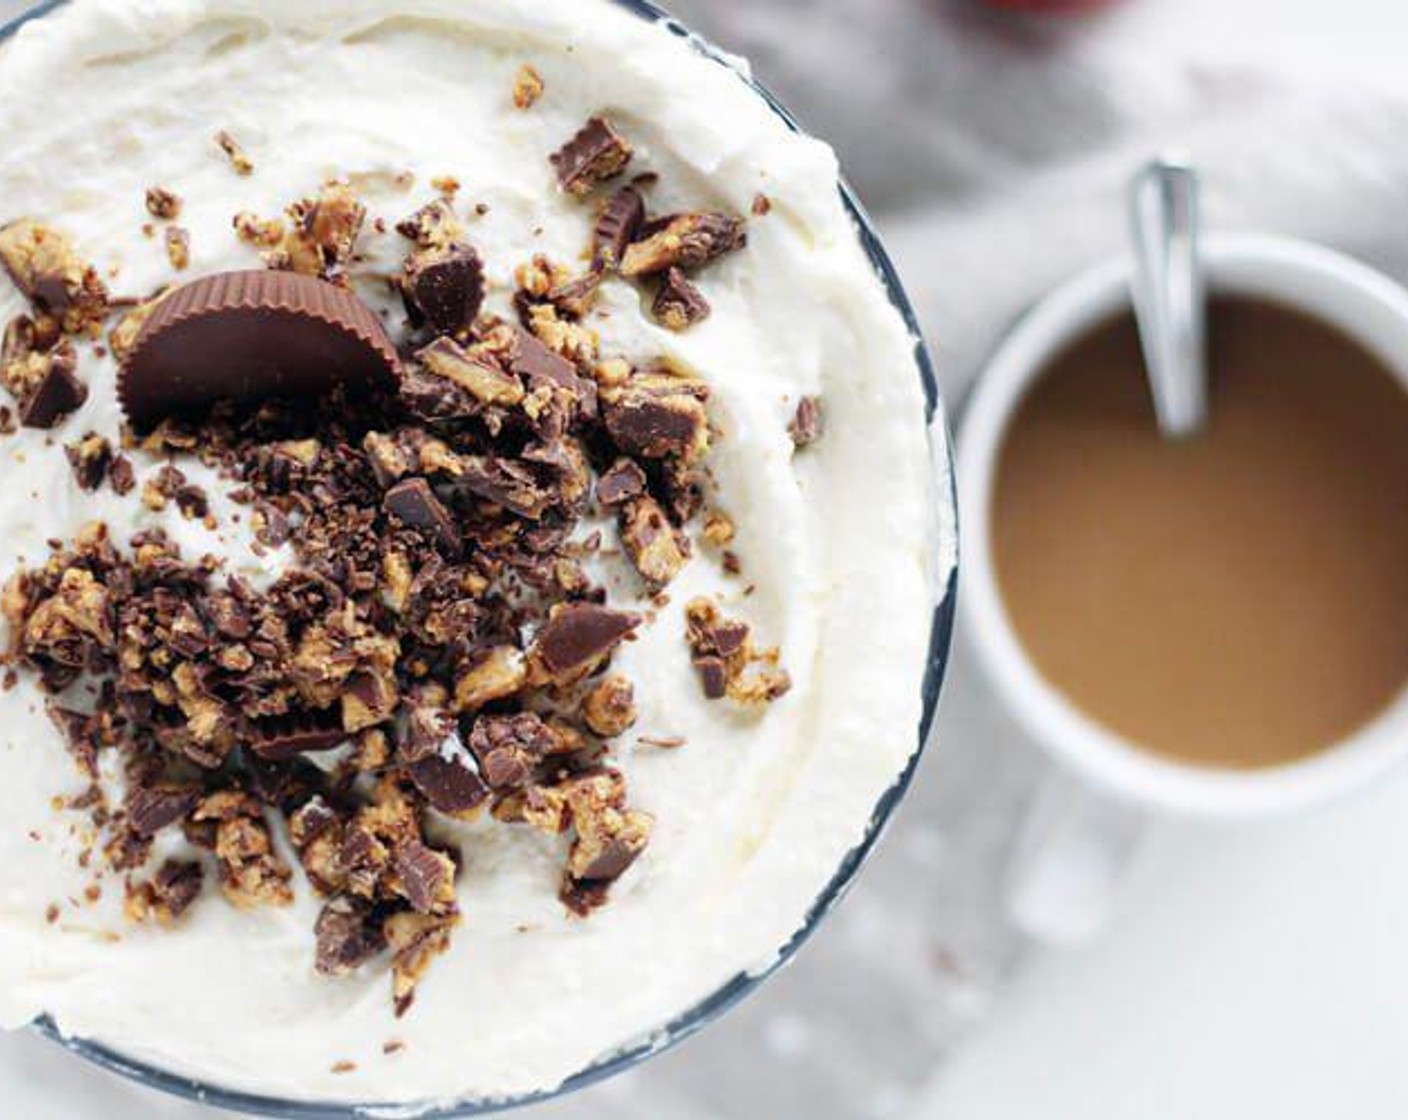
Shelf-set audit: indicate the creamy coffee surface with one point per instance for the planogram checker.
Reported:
(834, 558)
(1239, 599)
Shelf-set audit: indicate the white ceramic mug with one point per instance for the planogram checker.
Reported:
(1086, 820)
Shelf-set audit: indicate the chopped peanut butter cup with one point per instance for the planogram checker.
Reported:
(249, 336)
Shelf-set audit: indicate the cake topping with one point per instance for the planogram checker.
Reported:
(686, 241)
(434, 224)
(621, 482)
(277, 335)
(527, 87)
(594, 155)
(657, 416)
(168, 894)
(808, 422)
(178, 247)
(48, 271)
(436, 635)
(656, 548)
(44, 382)
(610, 707)
(163, 204)
(678, 303)
(241, 162)
(616, 227)
(728, 663)
(413, 503)
(444, 286)
(576, 637)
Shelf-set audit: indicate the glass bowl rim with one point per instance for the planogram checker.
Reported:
(733, 991)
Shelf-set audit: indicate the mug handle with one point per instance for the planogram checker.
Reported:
(1070, 855)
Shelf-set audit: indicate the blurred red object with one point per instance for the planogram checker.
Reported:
(1051, 7)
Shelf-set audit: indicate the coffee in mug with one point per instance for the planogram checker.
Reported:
(1235, 600)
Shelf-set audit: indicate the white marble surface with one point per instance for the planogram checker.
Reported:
(1249, 972)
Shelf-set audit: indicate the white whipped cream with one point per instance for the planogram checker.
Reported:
(756, 812)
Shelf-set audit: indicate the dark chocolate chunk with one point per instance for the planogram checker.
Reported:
(414, 503)
(444, 286)
(427, 876)
(621, 482)
(808, 423)
(348, 935)
(686, 241)
(89, 458)
(122, 475)
(432, 398)
(79, 730)
(278, 334)
(152, 808)
(509, 748)
(58, 393)
(449, 785)
(595, 154)
(713, 676)
(578, 635)
(539, 366)
(678, 303)
(503, 482)
(656, 548)
(478, 375)
(615, 858)
(433, 224)
(176, 884)
(616, 227)
(310, 820)
(283, 737)
(655, 424)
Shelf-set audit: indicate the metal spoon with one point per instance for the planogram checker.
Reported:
(1169, 297)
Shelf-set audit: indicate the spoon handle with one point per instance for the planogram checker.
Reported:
(1169, 299)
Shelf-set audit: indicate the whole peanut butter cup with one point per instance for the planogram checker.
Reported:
(250, 336)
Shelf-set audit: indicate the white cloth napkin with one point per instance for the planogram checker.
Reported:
(994, 153)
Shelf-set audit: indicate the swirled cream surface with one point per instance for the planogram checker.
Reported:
(756, 811)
